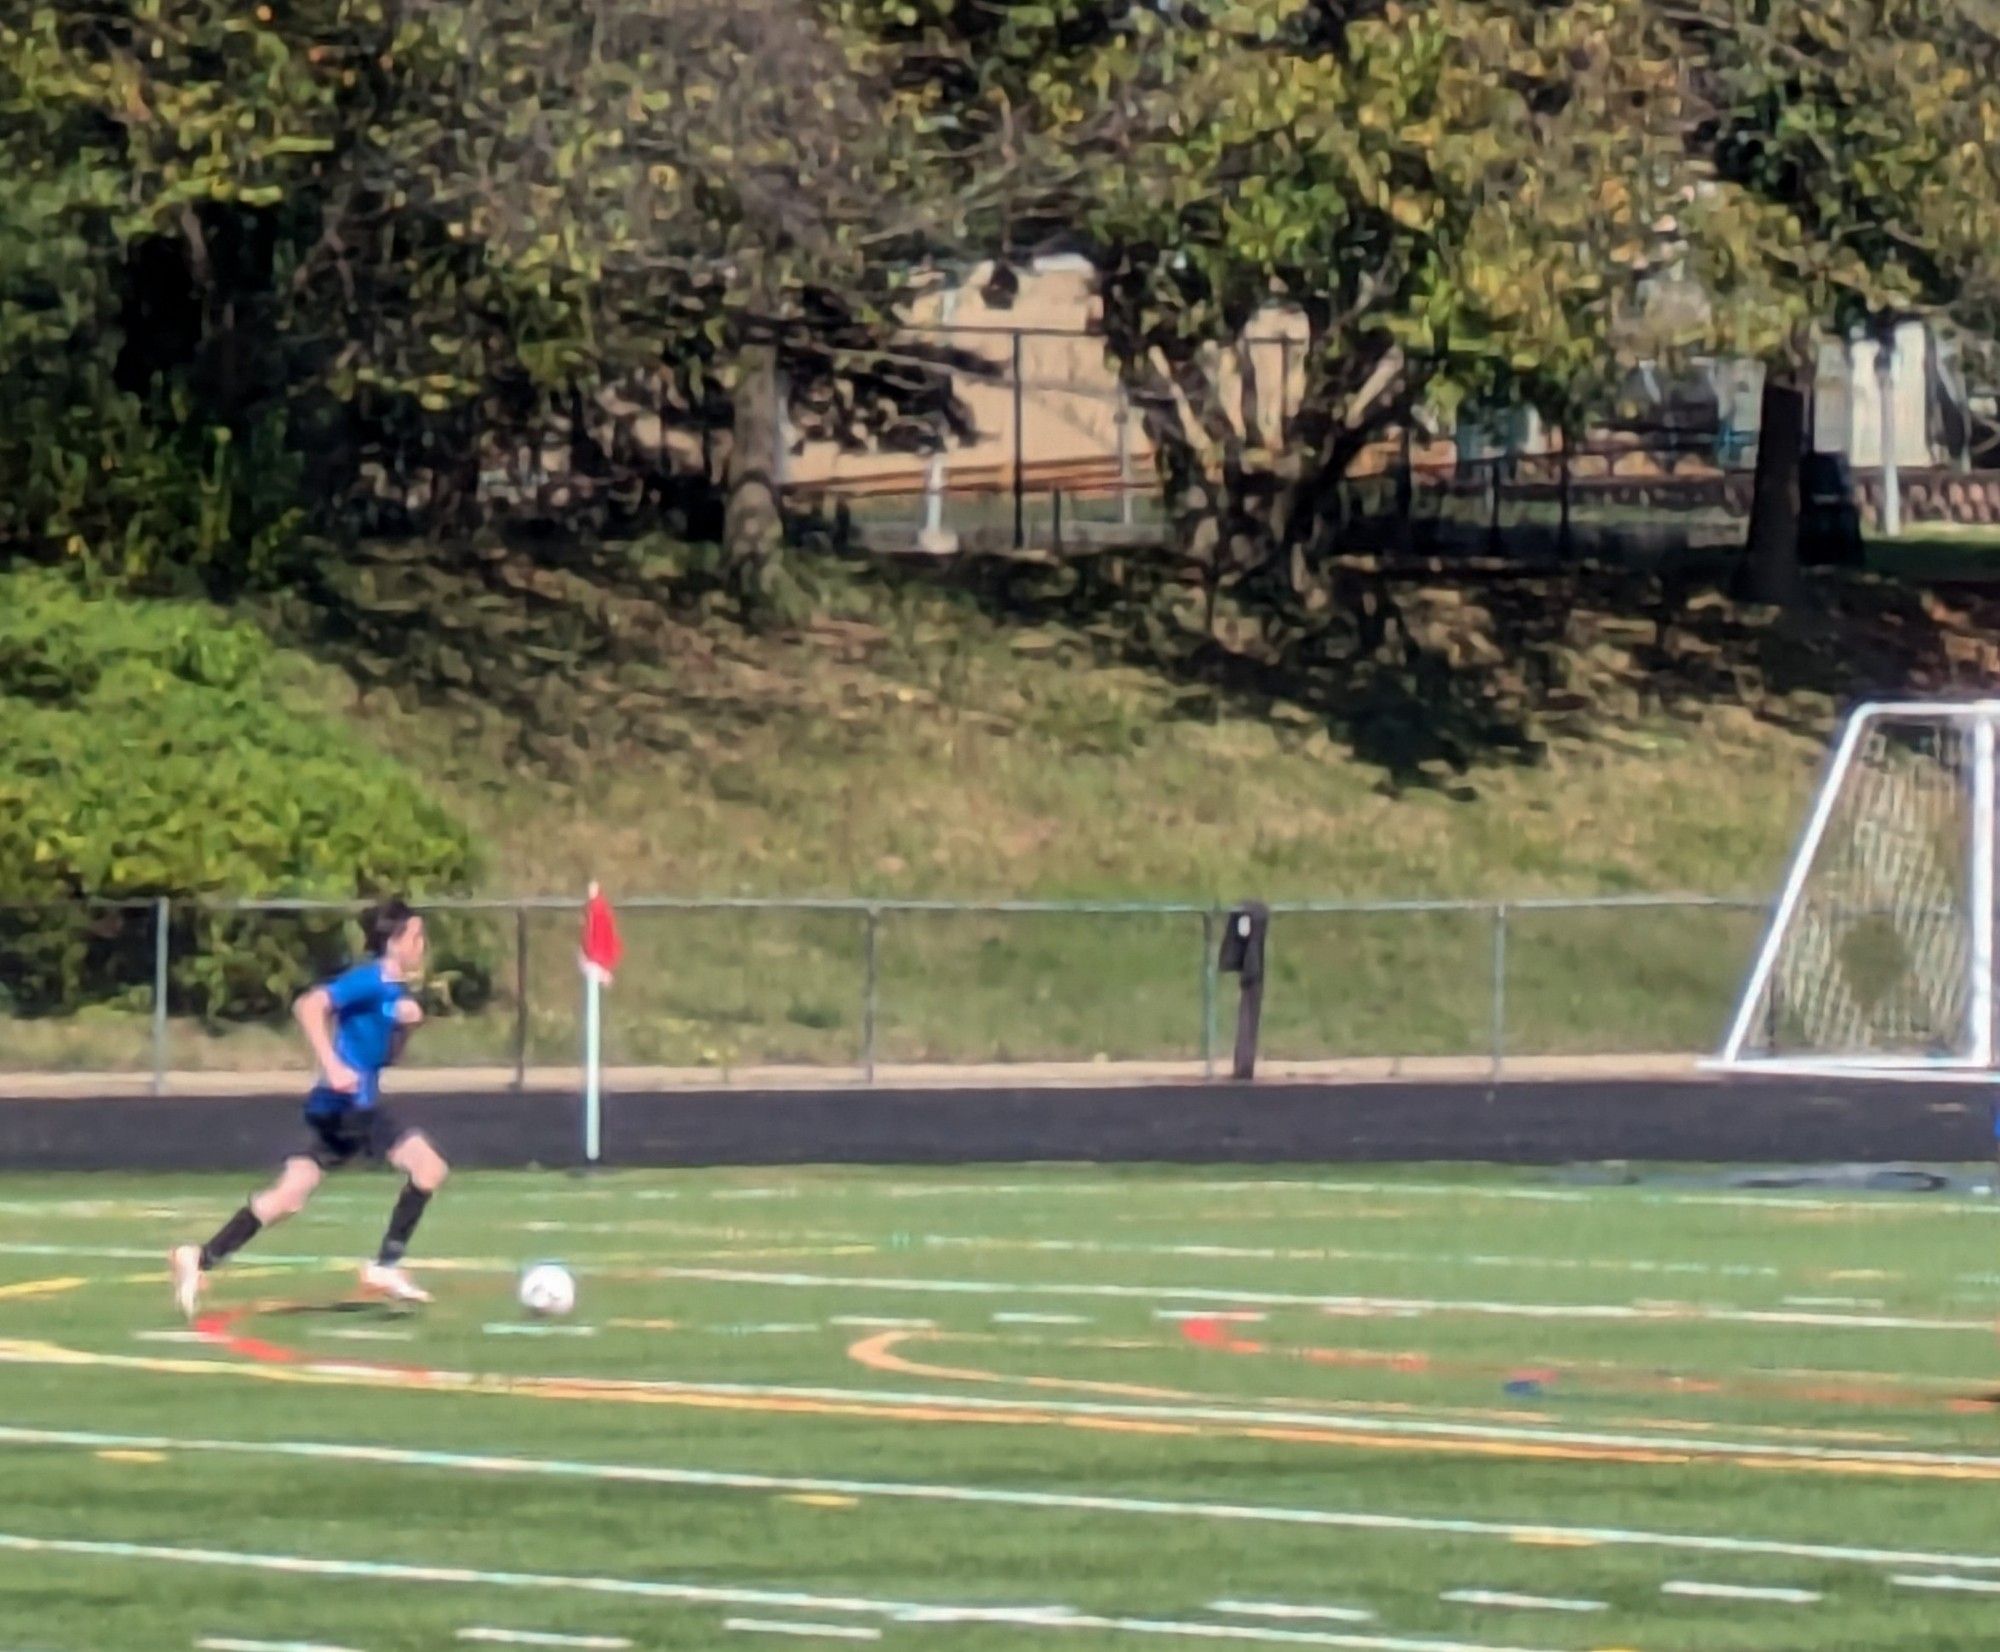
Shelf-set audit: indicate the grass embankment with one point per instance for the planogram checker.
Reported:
(1571, 735)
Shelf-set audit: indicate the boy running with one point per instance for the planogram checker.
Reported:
(357, 1025)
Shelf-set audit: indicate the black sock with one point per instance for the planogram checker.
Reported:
(230, 1238)
(403, 1222)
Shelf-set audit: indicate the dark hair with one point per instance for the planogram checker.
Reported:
(383, 922)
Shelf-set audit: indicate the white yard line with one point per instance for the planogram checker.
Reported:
(1041, 1319)
(219, 1643)
(868, 1322)
(815, 1631)
(1672, 1313)
(538, 1637)
(773, 1329)
(1187, 1296)
(1963, 1585)
(1739, 1591)
(1336, 1253)
(1283, 1610)
(1004, 1497)
(507, 1328)
(1232, 1316)
(698, 1594)
(1521, 1603)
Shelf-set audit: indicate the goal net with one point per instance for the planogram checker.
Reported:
(1879, 954)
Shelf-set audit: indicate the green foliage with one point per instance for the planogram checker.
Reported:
(253, 258)
(156, 167)
(1854, 148)
(148, 749)
(128, 498)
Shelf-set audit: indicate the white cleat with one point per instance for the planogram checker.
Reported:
(393, 1283)
(185, 1262)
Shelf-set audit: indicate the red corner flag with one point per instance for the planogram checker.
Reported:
(601, 947)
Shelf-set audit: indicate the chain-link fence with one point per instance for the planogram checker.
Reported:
(174, 990)
(1058, 455)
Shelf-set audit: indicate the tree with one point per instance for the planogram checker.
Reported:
(1456, 194)
(744, 189)
(1853, 155)
(157, 162)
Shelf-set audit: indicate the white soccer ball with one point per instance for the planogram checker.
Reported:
(547, 1291)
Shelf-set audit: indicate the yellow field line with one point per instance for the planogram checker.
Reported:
(41, 1287)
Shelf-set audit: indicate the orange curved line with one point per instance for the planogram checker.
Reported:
(875, 1353)
(545, 1388)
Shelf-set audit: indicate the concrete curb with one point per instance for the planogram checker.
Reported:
(1108, 1075)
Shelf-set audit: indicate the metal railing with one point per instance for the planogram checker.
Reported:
(857, 985)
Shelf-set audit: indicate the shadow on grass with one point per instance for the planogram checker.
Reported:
(562, 651)
(1430, 670)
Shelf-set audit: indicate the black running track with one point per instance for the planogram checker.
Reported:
(1698, 1121)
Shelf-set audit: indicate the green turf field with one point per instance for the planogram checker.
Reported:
(1074, 1408)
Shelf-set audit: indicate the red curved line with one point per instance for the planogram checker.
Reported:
(220, 1330)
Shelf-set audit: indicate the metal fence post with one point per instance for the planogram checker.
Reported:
(1499, 987)
(1124, 454)
(871, 978)
(1208, 995)
(1020, 453)
(162, 915)
(520, 998)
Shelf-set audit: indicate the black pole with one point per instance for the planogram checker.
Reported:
(1020, 457)
(521, 994)
(1243, 956)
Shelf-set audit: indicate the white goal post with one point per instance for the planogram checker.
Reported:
(1878, 959)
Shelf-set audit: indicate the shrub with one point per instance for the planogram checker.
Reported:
(150, 749)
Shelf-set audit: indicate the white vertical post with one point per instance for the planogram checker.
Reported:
(933, 536)
(1981, 890)
(1885, 388)
(1795, 882)
(593, 1102)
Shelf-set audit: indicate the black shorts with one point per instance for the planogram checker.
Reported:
(357, 1133)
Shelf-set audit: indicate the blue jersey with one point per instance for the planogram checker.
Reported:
(364, 1001)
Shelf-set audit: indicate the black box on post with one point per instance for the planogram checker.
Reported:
(1243, 956)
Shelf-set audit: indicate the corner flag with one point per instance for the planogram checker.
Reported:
(602, 948)
(598, 954)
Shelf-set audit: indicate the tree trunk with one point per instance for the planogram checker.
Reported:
(1769, 571)
(752, 525)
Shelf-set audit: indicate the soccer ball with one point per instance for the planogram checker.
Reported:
(548, 1291)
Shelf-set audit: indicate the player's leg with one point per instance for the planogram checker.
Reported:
(425, 1170)
(285, 1197)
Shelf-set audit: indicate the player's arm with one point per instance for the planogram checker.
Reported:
(314, 1013)
(409, 1017)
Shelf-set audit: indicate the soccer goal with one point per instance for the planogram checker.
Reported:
(1879, 955)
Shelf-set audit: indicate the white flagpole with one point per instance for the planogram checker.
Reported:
(593, 1139)
(593, 1053)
